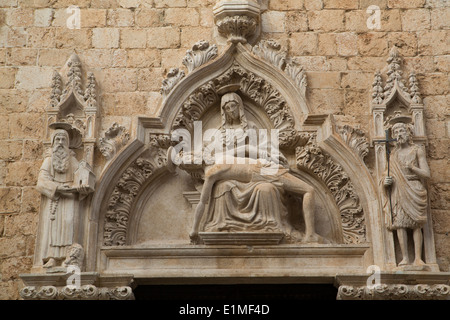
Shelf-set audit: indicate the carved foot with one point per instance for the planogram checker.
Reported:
(404, 262)
(50, 263)
(194, 237)
(419, 262)
(315, 238)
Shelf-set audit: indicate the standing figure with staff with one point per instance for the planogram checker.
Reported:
(405, 185)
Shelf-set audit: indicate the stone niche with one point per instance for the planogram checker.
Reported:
(160, 214)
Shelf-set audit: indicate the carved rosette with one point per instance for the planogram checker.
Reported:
(253, 87)
(128, 187)
(395, 292)
(71, 292)
(314, 160)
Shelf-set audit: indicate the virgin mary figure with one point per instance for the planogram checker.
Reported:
(236, 206)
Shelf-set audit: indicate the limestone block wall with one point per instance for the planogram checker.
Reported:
(130, 46)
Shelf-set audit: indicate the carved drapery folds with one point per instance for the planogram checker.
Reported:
(250, 85)
(397, 106)
(313, 159)
(122, 198)
(396, 97)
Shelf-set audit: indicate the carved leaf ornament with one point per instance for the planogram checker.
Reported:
(128, 187)
(312, 158)
(250, 85)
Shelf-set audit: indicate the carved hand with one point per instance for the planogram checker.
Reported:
(65, 189)
(388, 181)
(83, 189)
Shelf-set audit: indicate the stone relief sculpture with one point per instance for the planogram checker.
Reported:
(407, 192)
(139, 218)
(246, 195)
(114, 139)
(62, 195)
(74, 256)
(397, 108)
(310, 157)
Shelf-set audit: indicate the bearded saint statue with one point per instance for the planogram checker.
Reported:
(409, 195)
(60, 201)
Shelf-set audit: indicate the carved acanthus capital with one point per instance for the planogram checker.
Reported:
(237, 28)
(237, 20)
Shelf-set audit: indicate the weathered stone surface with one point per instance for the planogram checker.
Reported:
(372, 44)
(105, 37)
(416, 20)
(10, 200)
(347, 44)
(131, 45)
(163, 37)
(335, 20)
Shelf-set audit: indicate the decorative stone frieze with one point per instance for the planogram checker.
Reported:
(71, 292)
(395, 292)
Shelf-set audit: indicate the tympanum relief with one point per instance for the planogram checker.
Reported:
(237, 167)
